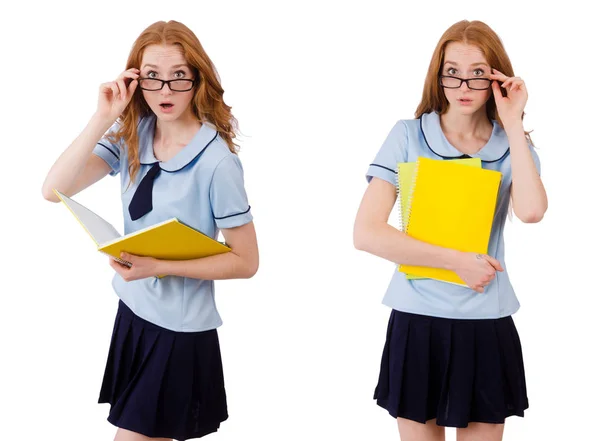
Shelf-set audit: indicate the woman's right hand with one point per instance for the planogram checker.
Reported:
(477, 270)
(116, 95)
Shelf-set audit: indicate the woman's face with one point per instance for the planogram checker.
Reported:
(166, 63)
(466, 61)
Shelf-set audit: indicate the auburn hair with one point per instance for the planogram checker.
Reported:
(207, 103)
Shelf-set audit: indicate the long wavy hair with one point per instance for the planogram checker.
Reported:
(475, 33)
(207, 103)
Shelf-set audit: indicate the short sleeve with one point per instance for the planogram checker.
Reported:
(109, 151)
(393, 151)
(536, 159)
(228, 197)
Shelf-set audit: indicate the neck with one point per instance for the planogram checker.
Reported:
(178, 132)
(465, 126)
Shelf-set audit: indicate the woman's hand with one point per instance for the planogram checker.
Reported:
(477, 270)
(141, 267)
(116, 95)
(511, 107)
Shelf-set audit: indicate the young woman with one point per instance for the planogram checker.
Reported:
(172, 145)
(452, 356)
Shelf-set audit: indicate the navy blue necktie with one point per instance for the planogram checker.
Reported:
(141, 203)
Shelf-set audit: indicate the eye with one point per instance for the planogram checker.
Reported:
(452, 71)
(150, 74)
(180, 74)
(478, 72)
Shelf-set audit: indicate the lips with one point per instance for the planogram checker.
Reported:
(166, 105)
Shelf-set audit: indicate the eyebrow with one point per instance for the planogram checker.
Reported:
(172, 67)
(472, 65)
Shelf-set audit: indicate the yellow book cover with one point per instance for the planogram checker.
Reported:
(451, 206)
(406, 172)
(168, 240)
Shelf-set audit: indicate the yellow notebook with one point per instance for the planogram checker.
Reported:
(451, 206)
(405, 178)
(168, 240)
(406, 173)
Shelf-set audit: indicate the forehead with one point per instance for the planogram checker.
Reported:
(463, 54)
(163, 55)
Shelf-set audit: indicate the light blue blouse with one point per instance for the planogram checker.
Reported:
(408, 140)
(202, 186)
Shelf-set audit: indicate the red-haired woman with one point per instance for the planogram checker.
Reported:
(452, 356)
(163, 127)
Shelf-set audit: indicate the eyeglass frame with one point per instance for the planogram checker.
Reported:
(168, 82)
(463, 80)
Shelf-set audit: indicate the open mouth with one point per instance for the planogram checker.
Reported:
(166, 105)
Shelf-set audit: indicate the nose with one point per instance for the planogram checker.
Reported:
(464, 87)
(166, 90)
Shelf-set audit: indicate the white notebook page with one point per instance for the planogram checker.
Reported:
(100, 230)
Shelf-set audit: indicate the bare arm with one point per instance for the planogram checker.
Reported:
(240, 263)
(528, 194)
(77, 168)
(374, 235)
(527, 191)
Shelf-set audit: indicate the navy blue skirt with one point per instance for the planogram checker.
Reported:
(163, 383)
(456, 371)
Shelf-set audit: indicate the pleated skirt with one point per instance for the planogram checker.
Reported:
(163, 383)
(453, 371)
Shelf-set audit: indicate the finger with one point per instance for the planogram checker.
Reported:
(127, 74)
(508, 82)
(107, 90)
(132, 86)
(129, 258)
(495, 263)
(116, 266)
(496, 72)
(122, 89)
(115, 89)
(497, 92)
(517, 84)
(513, 83)
(105, 87)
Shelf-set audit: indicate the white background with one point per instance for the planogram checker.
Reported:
(316, 87)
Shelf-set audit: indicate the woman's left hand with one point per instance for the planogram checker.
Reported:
(141, 267)
(511, 107)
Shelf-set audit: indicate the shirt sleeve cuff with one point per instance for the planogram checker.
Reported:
(109, 157)
(234, 220)
(381, 172)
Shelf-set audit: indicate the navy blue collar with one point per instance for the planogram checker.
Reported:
(496, 148)
(202, 139)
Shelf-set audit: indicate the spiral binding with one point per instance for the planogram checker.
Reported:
(410, 196)
(399, 196)
(121, 261)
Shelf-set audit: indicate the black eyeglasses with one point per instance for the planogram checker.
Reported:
(154, 84)
(472, 83)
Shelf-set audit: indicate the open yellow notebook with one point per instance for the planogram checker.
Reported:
(406, 177)
(168, 240)
(453, 206)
